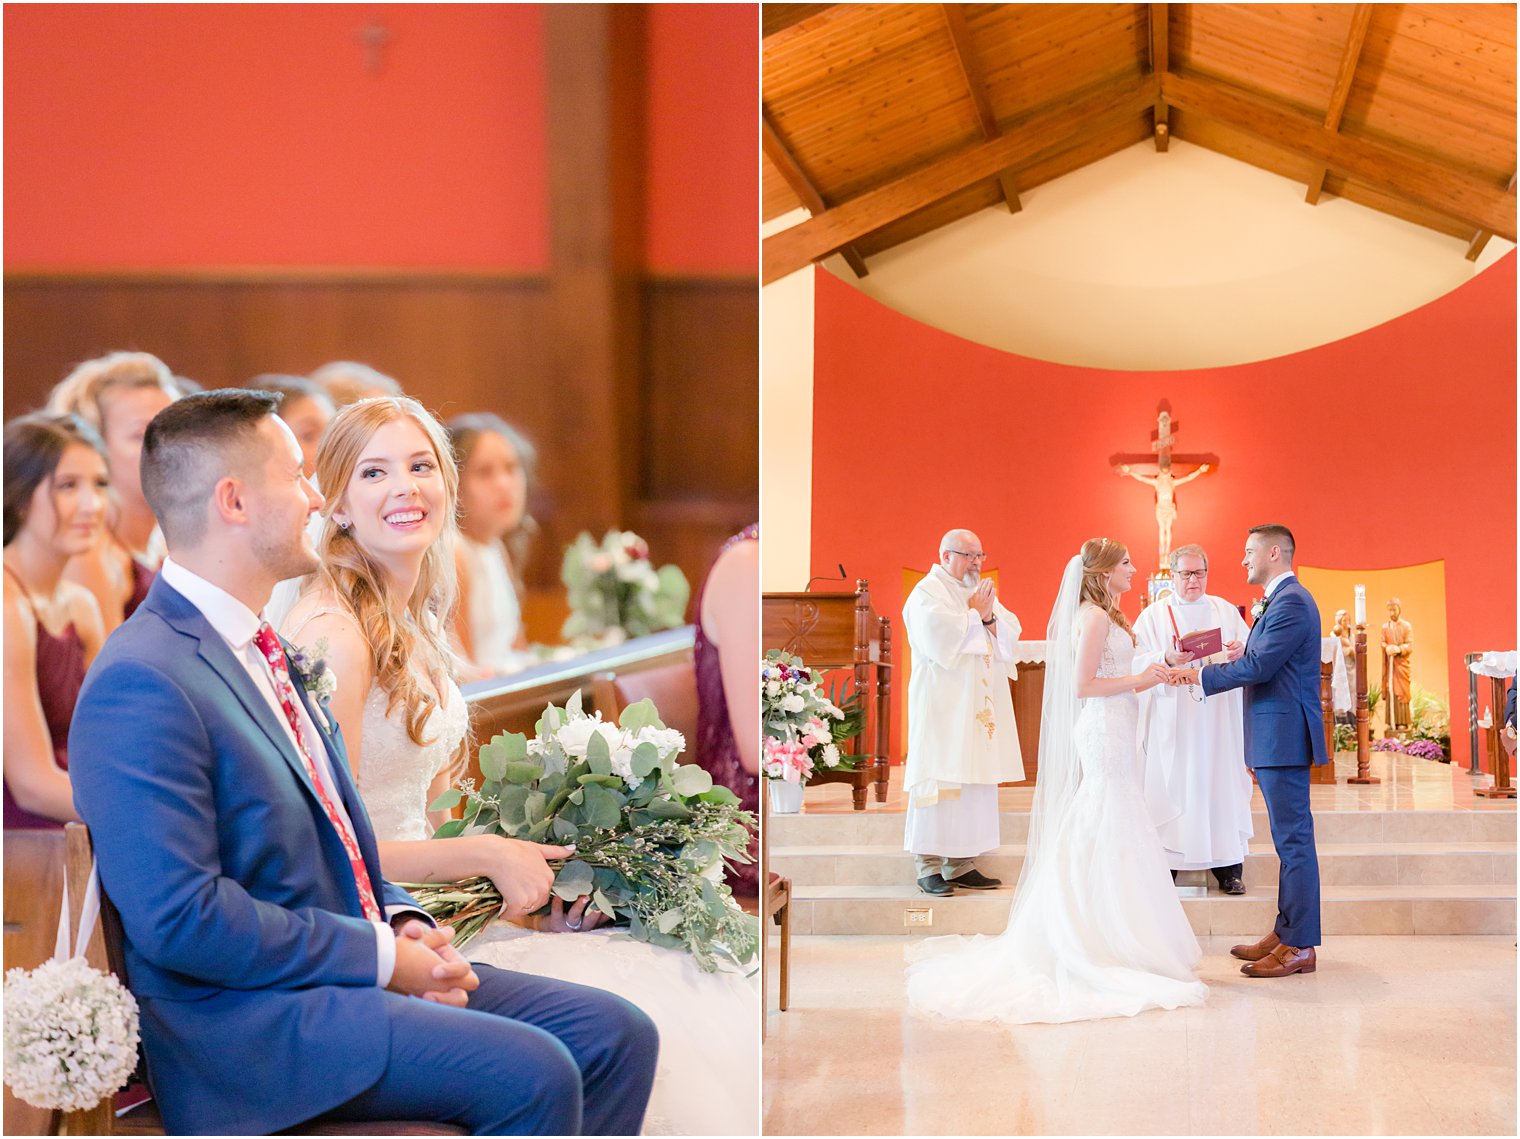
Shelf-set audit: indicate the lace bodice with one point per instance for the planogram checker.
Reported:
(1118, 657)
(394, 772)
(1105, 729)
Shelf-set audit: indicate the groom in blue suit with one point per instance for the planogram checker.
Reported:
(1278, 669)
(280, 978)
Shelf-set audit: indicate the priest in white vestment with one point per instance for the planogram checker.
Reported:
(1196, 783)
(962, 740)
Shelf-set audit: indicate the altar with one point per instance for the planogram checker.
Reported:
(1028, 688)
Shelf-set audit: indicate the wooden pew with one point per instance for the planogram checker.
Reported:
(33, 894)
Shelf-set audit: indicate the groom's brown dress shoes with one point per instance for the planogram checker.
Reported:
(1258, 951)
(1283, 961)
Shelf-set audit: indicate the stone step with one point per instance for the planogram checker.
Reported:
(1412, 909)
(1340, 864)
(885, 828)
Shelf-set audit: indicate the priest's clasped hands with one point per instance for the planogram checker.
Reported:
(1182, 677)
(982, 599)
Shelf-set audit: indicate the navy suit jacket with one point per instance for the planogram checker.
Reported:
(1279, 676)
(246, 945)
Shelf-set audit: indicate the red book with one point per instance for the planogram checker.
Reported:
(1204, 643)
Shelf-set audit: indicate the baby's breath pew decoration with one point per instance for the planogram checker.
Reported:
(651, 835)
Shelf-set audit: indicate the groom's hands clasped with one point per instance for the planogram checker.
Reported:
(428, 965)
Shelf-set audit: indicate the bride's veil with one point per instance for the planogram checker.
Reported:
(1058, 773)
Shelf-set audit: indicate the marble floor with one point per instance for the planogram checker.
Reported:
(1391, 1036)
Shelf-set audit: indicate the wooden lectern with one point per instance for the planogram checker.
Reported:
(841, 631)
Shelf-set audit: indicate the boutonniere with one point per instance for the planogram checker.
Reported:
(318, 680)
(1258, 608)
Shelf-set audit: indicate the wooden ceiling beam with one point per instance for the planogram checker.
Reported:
(781, 157)
(1480, 239)
(976, 86)
(1033, 138)
(1345, 75)
(1160, 65)
(1413, 177)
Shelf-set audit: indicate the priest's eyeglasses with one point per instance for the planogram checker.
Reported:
(1192, 573)
(968, 554)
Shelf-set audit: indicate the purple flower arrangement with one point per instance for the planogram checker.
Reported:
(1420, 749)
(1424, 749)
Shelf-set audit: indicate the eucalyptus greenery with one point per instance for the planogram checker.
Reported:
(651, 836)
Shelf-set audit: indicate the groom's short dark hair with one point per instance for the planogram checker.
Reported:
(189, 446)
(1278, 535)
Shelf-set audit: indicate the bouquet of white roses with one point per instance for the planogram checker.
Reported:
(802, 727)
(616, 593)
(651, 835)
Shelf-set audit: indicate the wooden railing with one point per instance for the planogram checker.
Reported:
(514, 703)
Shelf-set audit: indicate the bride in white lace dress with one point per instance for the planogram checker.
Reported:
(384, 547)
(1096, 928)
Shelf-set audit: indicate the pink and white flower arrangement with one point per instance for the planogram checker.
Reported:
(614, 591)
(802, 726)
(786, 760)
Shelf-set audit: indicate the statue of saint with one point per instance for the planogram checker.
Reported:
(1344, 631)
(1398, 644)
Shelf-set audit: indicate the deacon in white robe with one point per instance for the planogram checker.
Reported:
(1195, 778)
(962, 740)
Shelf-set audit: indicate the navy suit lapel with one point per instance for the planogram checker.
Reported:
(337, 753)
(174, 608)
(1276, 596)
(348, 792)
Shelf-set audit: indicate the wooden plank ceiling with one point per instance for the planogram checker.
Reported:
(887, 121)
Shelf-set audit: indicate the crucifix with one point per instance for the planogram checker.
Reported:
(374, 36)
(1156, 471)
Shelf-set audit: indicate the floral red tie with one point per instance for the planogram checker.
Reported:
(269, 645)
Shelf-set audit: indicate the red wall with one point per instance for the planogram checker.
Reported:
(168, 135)
(916, 431)
(703, 164)
(150, 136)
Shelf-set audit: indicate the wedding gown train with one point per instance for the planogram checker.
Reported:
(706, 1082)
(1097, 929)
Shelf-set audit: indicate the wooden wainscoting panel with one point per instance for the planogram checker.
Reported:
(701, 389)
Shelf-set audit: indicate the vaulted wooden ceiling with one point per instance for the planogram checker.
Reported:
(887, 121)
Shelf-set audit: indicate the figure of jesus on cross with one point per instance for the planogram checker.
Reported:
(1163, 481)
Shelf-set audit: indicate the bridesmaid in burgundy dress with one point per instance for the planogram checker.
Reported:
(117, 395)
(55, 509)
(728, 680)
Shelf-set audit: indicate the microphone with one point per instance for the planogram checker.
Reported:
(841, 577)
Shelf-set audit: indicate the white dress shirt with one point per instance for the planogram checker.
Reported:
(237, 624)
(1274, 583)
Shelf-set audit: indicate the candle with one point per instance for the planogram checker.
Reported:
(1361, 605)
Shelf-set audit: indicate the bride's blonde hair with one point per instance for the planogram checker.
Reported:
(1099, 556)
(359, 584)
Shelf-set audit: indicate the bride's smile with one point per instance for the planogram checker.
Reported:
(395, 500)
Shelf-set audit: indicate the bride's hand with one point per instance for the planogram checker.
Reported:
(522, 874)
(1152, 675)
(580, 917)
